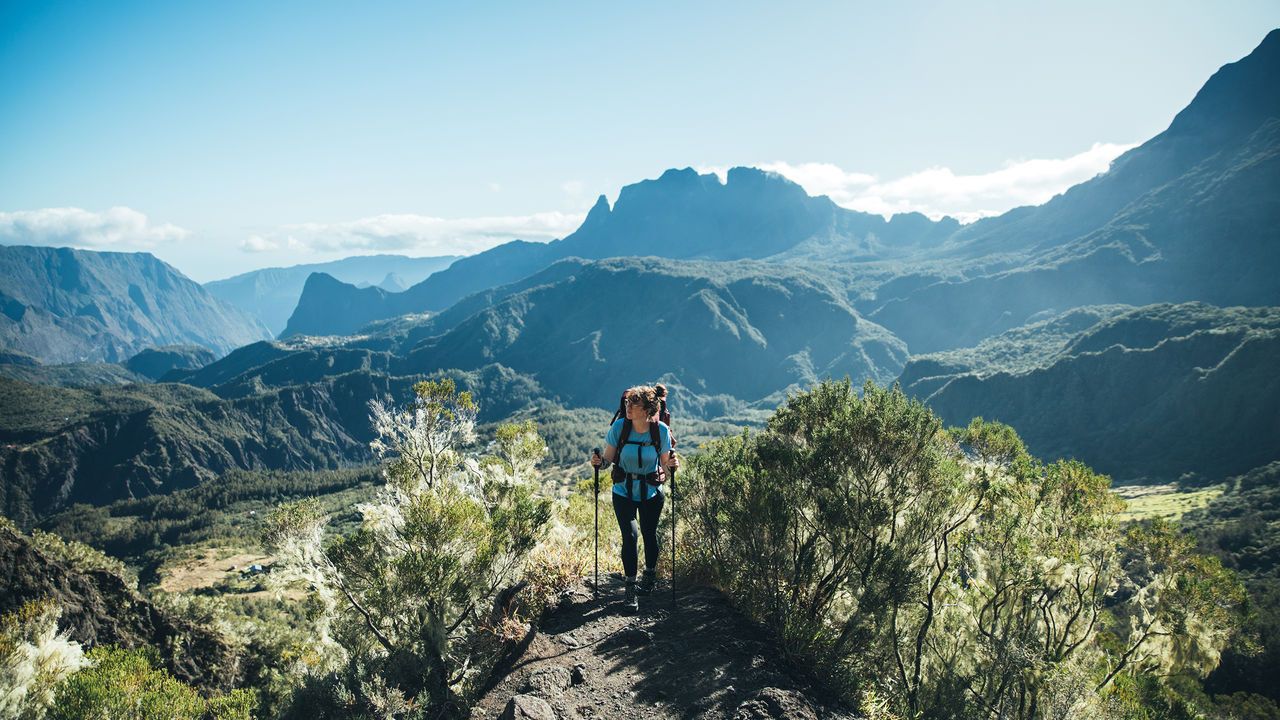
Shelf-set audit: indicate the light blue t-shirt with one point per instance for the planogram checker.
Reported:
(645, 463)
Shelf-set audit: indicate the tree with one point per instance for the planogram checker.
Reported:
(404, 597)
(1041, 560)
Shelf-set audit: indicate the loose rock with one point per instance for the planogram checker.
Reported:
(775, 704)
(527, 707)
(635, 636)
(549, 682)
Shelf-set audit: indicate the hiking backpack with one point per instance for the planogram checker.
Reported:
(617, 474)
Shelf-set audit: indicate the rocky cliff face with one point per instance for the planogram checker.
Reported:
(99, 608)
(62, 305)
(1191, 215)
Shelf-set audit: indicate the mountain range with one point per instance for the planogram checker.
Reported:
(682, 215)
(272, 293)
(1186, 216)
(1130, 322)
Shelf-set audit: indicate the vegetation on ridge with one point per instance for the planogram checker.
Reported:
(945, 574)
(957, 576)
(405, 600)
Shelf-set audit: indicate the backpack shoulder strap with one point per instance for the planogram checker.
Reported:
(623, 438)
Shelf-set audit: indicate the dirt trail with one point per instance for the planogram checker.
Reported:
(701, 660)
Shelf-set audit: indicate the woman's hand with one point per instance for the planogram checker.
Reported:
(674, 464)
(598, 459)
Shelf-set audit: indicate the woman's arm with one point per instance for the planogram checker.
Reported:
(610, 452)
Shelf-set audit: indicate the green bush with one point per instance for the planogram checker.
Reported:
(130, 685)
(951, 574)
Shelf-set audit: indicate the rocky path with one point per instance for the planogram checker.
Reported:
(696, 658)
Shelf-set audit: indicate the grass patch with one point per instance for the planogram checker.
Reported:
(1163, 501)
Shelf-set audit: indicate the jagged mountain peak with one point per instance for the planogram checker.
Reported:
(689, 183)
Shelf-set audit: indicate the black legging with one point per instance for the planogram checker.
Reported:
(625, 510)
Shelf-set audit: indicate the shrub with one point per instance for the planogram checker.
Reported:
(951, 574)
(130, 685)
(406, 598)
(34, 657)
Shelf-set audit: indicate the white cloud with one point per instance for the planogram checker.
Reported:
(119, 228)
(822, 178)
(939, 191)
(257, 244)
(417, 234)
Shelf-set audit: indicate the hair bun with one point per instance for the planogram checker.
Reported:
(660, 390)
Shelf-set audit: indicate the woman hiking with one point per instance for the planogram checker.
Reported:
(637, 487)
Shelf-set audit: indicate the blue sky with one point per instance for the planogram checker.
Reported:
(228, 136)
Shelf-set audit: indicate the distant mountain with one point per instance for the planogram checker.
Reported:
(1150, 393)
(62, 305)
(344, 310)
(1017, 351)
(682, 215)
(271, 294)
(730, 334)
(745, 330)
(1191, 215)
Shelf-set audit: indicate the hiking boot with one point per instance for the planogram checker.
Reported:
(629, 600)
(647, 581)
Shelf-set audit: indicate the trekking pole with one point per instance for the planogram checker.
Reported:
(673, 538)
(596, 495)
